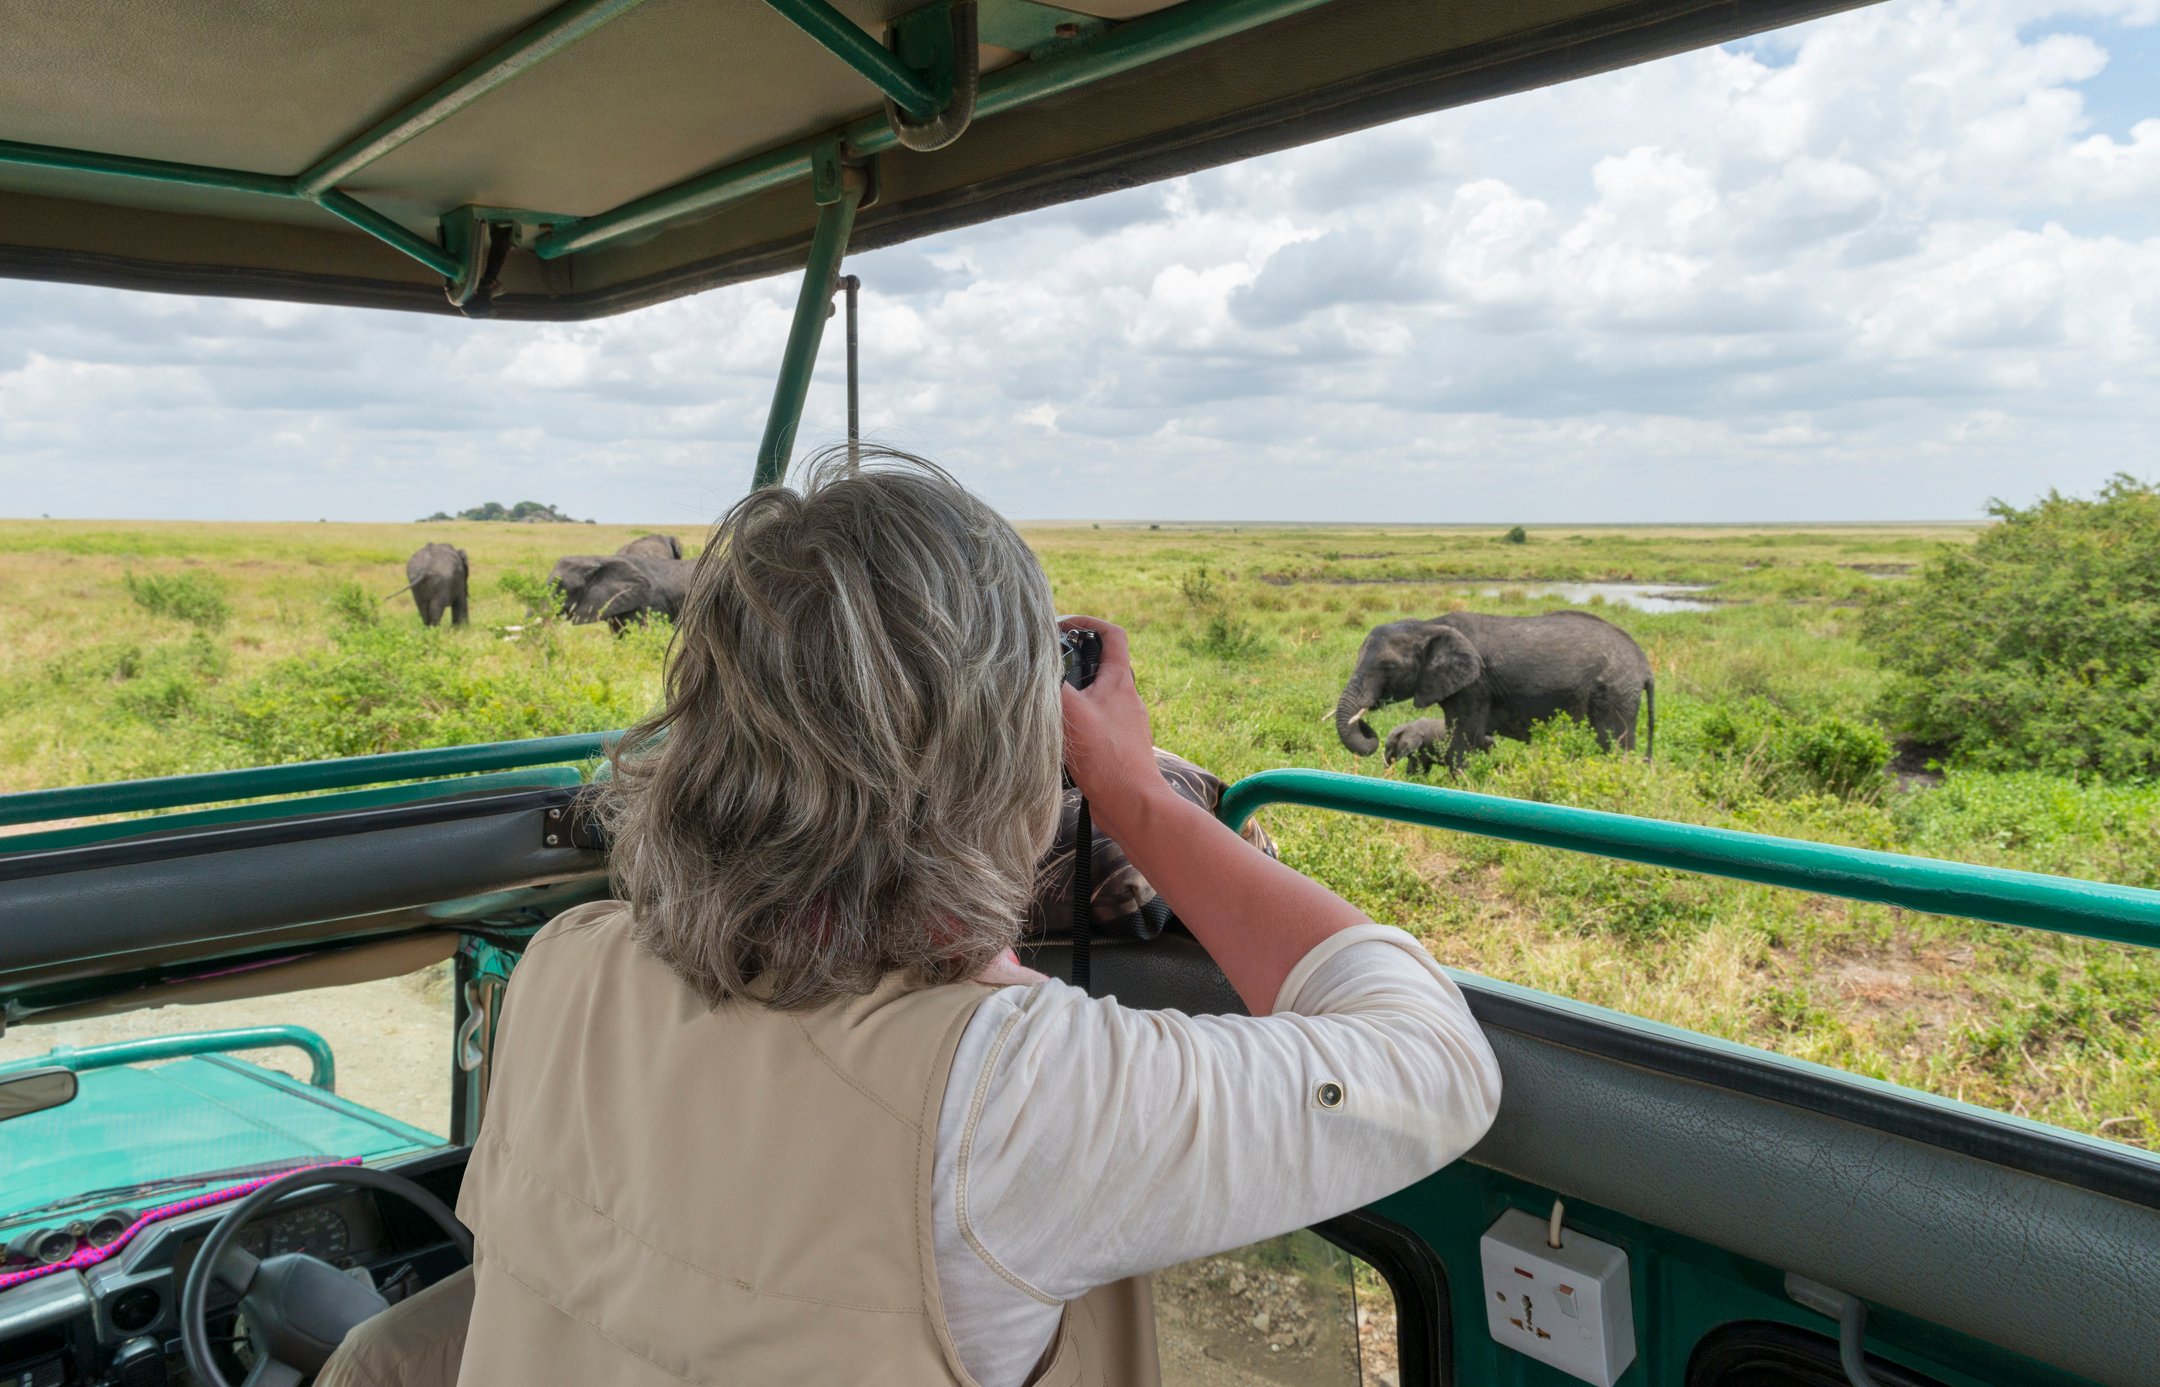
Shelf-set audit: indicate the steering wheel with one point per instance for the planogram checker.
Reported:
(298, 1308)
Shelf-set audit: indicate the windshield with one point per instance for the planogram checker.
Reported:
(181, 1099)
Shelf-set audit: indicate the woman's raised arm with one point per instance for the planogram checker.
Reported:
(1256, 917)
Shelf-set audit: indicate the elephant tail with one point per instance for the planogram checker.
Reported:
(401, 591)
(1649, 693)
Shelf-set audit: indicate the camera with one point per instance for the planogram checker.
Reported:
(1082, 650)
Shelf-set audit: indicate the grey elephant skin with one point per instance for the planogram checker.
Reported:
(620, 588)
(1420, 743)
(653, 547)
(1500, 675)
(437, 577)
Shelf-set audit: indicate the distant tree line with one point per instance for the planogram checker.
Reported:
(523, 513)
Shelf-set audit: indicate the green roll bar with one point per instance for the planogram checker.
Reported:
(297, 778)
(840, 190)
(2062, 905)
(322, 1071)
(1118, 49)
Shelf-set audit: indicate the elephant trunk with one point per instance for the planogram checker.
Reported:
(1350, 710)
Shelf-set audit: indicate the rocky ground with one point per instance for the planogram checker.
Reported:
(1231, 1322)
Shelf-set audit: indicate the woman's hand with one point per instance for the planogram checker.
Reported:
(1109, 748)
(1253, 914)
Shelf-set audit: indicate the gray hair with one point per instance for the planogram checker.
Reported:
(862, 733)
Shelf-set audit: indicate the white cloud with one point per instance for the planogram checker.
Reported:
(1885, 264)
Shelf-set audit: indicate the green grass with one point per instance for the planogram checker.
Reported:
(1242, 638)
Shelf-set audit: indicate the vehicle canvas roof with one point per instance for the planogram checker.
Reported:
(322, 153)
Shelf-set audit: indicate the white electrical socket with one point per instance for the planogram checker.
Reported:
(1568, 1305)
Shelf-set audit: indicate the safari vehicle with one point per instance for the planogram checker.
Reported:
(1732, 1218)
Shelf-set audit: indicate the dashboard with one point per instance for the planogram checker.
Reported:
(116, 1324)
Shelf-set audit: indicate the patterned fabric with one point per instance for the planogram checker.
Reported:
(1119, 890)
(87, 1256)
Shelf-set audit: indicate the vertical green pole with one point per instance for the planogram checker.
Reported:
(852, 286)
(812, 307)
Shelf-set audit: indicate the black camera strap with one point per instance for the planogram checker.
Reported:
(1083, 898)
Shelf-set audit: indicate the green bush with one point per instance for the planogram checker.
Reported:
(196, 598)
(353, 605)
(2039, 822)
(1222, 633)
(394, 686)
(534, 593)
(1518, 535)
(1788, 754)
(2038, 647)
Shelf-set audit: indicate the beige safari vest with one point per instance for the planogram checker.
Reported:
(666, 1193)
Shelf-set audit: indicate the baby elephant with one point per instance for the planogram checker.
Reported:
(1422, 743)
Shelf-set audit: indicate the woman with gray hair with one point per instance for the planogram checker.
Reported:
(791, 1112)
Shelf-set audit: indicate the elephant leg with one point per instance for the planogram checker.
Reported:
(459, 610)
(1475, 733)
(1612, 716)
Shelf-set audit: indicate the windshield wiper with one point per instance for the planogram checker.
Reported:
(167, 1182)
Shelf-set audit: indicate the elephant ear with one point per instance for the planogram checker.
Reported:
(1450, 665)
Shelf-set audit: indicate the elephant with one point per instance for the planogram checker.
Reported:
(653, 547)
(619, 588)
(1500, 675)
(437, 576)
(1417, 742)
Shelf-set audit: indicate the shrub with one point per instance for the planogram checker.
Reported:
(1788, 754)
(2039, 822)
(1222, 633)
(2038, 647)
(1518, 535)
(534, 593)
(394, 686)
(195, 598)
(353, 605)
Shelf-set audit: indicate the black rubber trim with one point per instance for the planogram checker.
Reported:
(1424, 1325)
(1539, 57)
(312, 828)
(1766, 1353)
(2126, 1174)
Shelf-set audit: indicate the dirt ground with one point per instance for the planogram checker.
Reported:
(1230, 1322)
(391, 1038)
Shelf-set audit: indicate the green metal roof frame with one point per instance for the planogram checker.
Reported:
(1185, 26)
(1248, 80)
(1248, 76)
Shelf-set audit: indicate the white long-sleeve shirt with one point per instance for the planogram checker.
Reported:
(1081, 1142)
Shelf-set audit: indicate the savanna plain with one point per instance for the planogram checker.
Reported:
(155, 649)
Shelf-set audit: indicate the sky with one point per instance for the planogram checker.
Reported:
(1884, 266)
